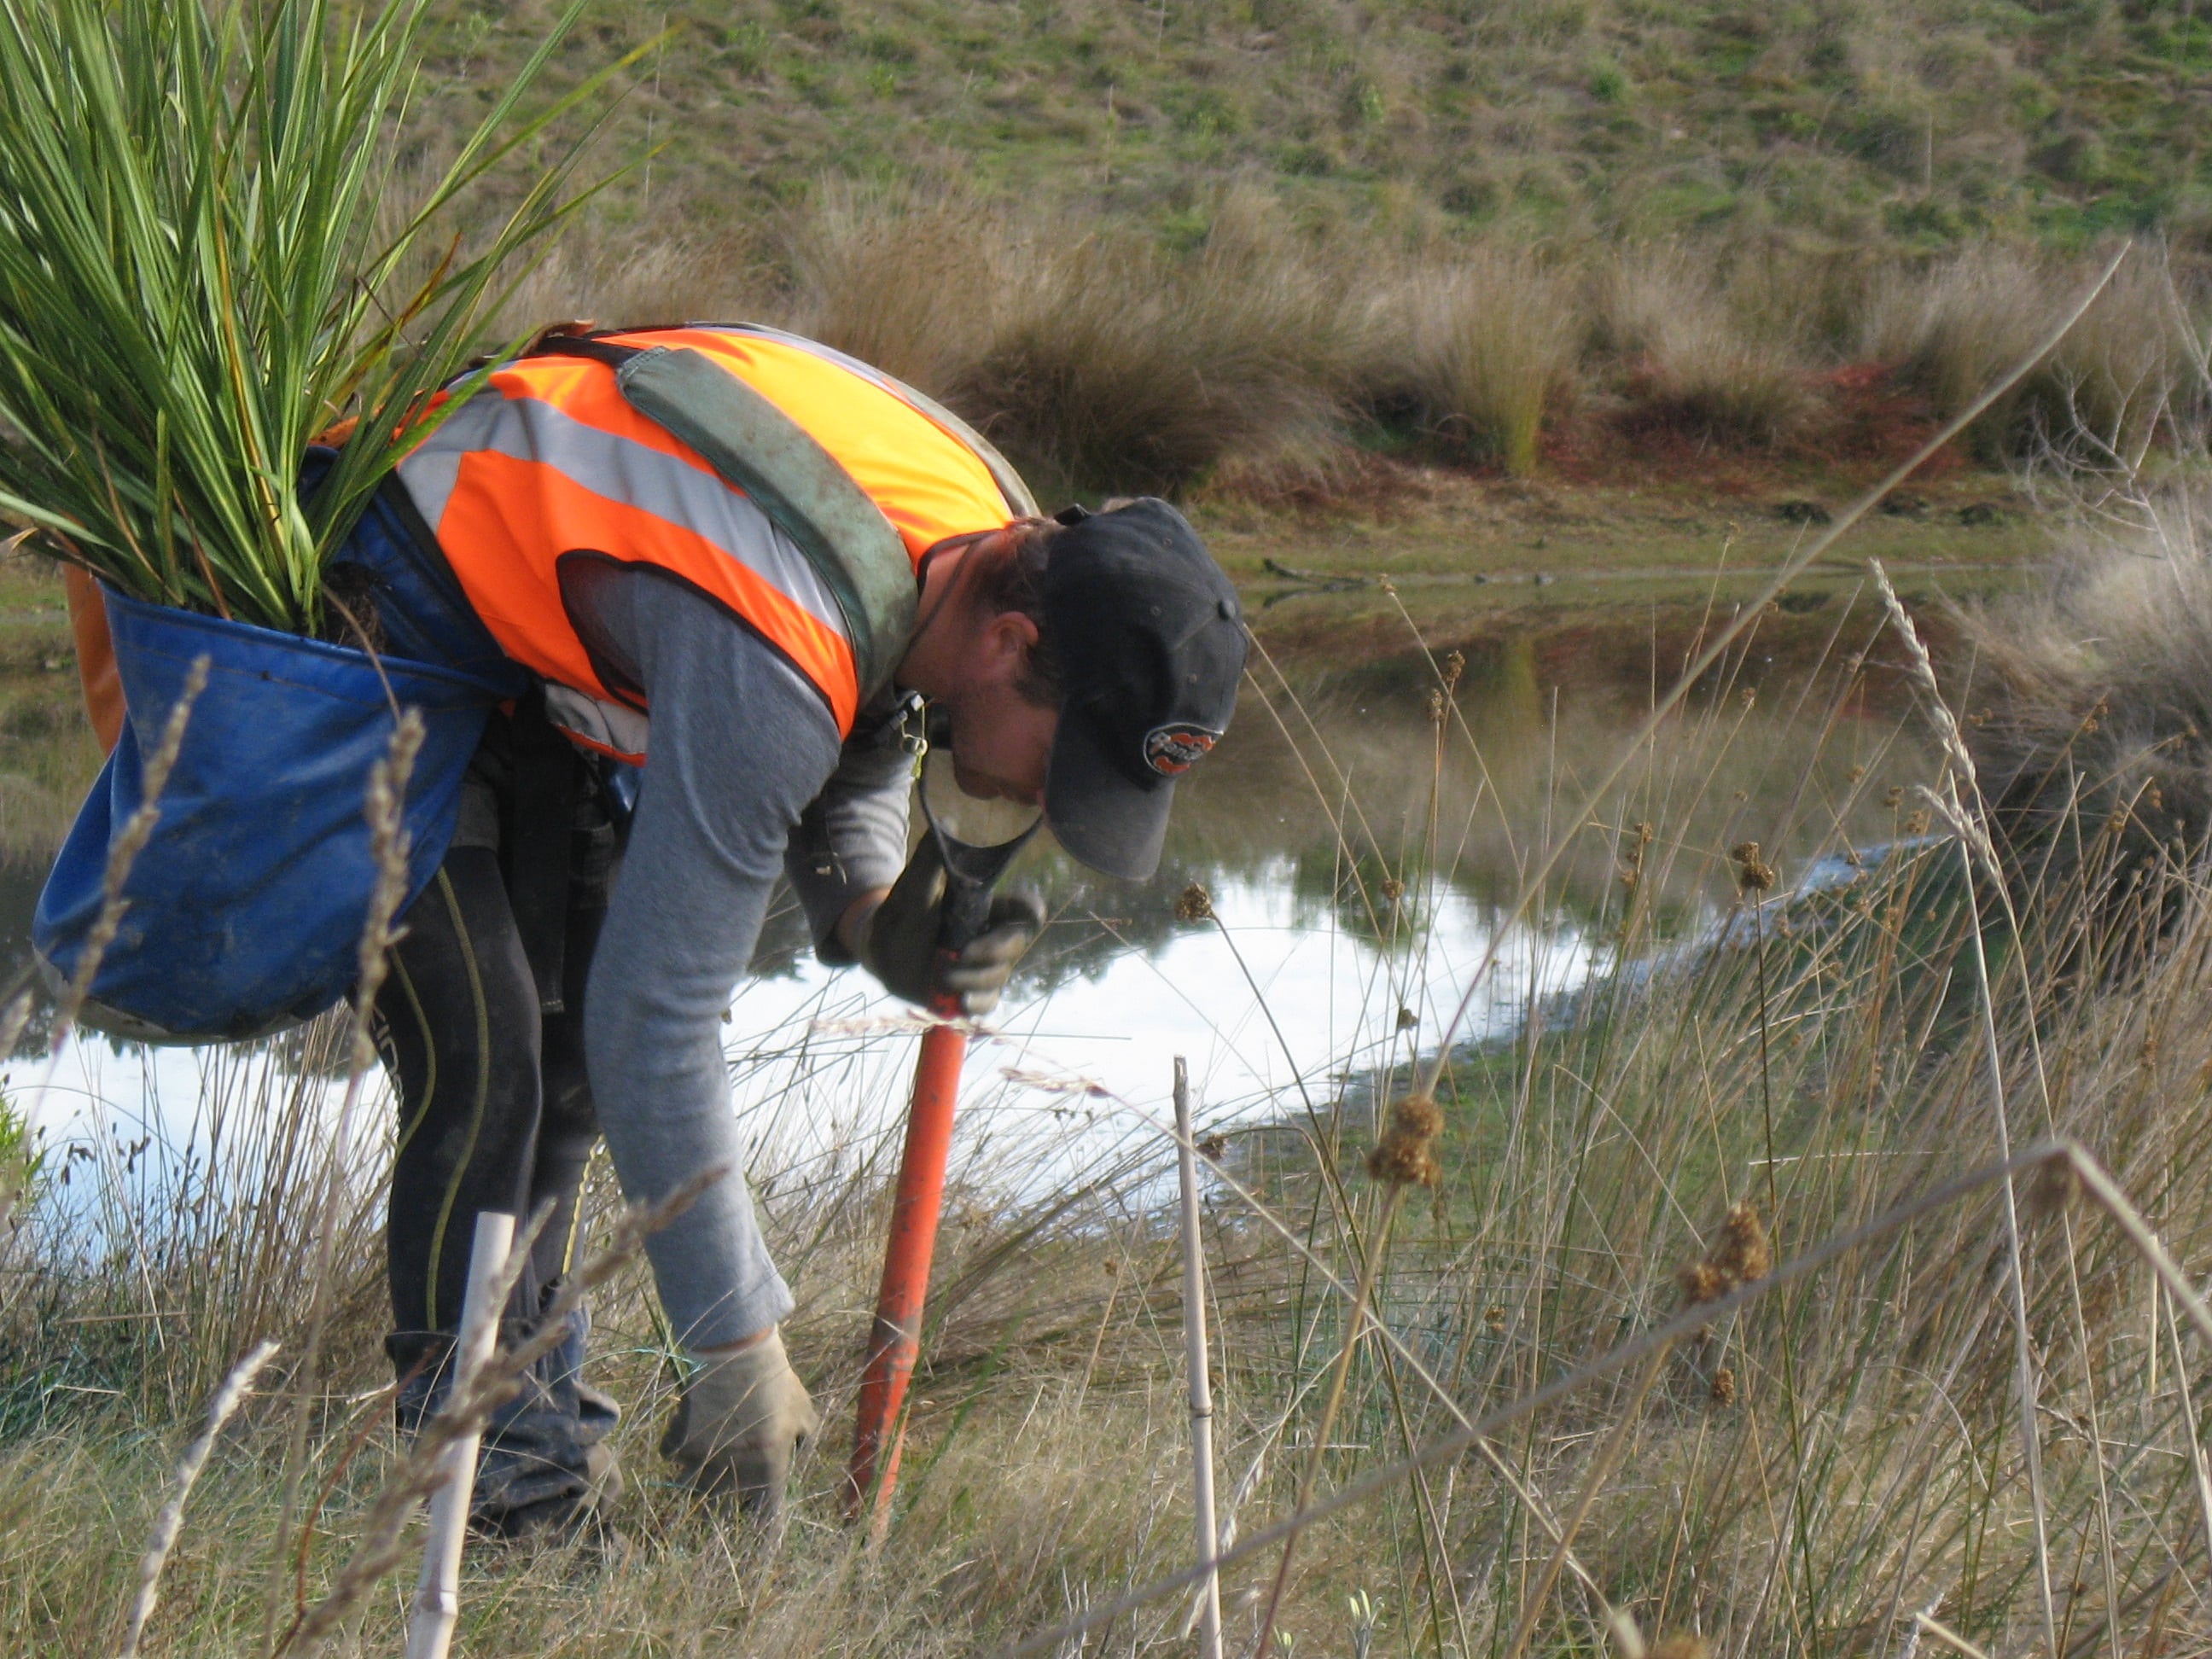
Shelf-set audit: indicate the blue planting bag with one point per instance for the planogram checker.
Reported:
(245, 906)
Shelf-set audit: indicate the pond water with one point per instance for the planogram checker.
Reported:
(1360, 858)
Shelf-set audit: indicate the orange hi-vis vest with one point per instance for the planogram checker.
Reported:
(551, 463)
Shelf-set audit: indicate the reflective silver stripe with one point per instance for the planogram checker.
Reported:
(431, 471)
(622, 470)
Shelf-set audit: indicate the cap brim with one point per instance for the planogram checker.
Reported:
(1102, 817)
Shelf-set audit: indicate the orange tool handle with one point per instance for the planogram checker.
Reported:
(896, 1340)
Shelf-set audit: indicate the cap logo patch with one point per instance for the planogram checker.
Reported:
(1170, 749)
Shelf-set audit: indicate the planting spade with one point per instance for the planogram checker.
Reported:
(895, 1339)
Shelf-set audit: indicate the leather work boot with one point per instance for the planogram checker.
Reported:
(543, 1468)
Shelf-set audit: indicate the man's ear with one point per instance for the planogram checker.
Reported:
(1010, 639)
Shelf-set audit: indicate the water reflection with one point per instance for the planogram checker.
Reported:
(1359, 844)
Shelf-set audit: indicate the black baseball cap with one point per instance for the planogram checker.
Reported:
(1149, 641)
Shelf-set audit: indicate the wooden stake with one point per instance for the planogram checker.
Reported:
(438, 1592)
(1201, 1394)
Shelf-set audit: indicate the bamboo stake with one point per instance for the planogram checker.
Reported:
(1201, 1394)
(438, 1592)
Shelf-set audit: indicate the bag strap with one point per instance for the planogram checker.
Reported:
(1019, 501)
(583, 345)
(756, 448)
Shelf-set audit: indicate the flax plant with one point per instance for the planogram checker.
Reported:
(193, 283)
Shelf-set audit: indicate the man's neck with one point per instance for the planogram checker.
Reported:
(927, 666)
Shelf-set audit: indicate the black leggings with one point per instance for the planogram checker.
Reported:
(495, 1109)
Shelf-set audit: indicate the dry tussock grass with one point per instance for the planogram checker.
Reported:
(2091, 700)
(1103, 360)
(908, 284)
(1095, 358)
(1696, 362)
(1475, 346)
(1957, 323)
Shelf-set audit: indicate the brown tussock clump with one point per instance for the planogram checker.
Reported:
(1407, 1155)
(2091, 703)
(1698, 356)
(1739, 1257)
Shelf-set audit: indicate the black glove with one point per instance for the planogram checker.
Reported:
(900, 946)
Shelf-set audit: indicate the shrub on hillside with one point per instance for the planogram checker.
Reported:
(2129, 367)
(1100, 357)
(615, 281)
(1115, 366)
(911, 286)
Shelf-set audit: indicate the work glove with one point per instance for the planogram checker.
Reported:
(743, 1415)
(900, 946)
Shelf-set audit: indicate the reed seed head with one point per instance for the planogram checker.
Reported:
(1455, 664)
(2054, 1188)
(1193, 903)
(1753, 873)
(1392, 889)
(1744, 1252)
(1741, 1254)
(1407, 1156)
(1700, 1283)
(1722, 1391)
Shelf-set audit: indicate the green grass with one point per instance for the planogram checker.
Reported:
(1862, 121)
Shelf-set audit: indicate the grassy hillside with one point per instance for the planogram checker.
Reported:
(1288, 245)
(1854, 120)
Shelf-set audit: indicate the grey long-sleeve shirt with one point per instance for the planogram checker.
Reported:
(744, 775)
